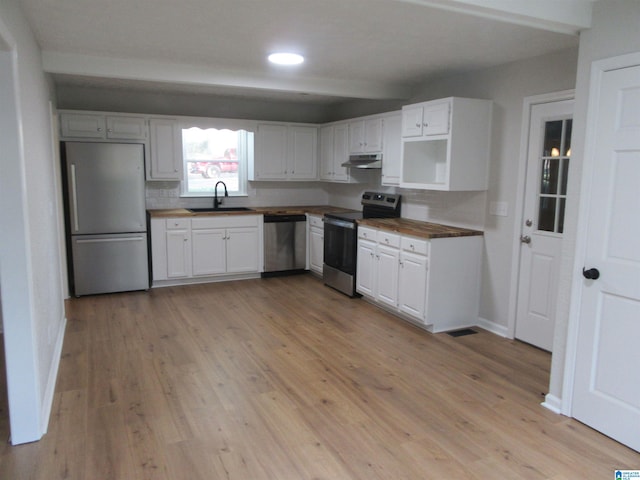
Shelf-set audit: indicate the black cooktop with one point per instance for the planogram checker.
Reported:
(374, 205)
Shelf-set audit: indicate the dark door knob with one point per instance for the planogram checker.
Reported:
(591, 274)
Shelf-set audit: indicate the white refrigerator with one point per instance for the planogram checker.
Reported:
(106, 217)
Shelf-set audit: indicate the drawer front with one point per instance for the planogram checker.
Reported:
(315, 221)
(177, 223)
(367, 233)
(415, 245)
(388, 238)
(224, 221)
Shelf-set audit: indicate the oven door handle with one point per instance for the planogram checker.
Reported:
(339, 223)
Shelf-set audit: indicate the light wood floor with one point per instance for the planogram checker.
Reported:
(284, 378)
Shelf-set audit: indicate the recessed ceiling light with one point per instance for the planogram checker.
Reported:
(286, 58)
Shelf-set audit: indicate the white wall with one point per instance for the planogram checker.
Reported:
(75, 97)
(614, 32)
(33, 308)
(507, 86)
(167, 195)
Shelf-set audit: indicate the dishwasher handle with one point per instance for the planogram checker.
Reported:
(284, 218)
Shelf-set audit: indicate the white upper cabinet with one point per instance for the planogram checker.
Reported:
(126, 128)
(334, 151)
(285, 152)
(365, 136)
(270, 161)
(445, 145)
(392, 148)
(427, 119)
(97, 126)
(302, 163)
(325, 144)
(166, 150)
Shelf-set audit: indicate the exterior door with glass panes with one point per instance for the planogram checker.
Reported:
(548, 167)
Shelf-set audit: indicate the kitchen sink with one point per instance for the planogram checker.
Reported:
(220, 209)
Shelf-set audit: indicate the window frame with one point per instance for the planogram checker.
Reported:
(243, 164)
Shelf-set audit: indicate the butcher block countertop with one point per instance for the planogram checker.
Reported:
(417, 228)
(404, 226)
(296, 210)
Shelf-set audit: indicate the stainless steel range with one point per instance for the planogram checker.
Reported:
(341, 239)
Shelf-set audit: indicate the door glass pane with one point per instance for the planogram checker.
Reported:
(547, 214)
(552, 138)
(567, 137)
(549, 175)
(554, 175)
(565, 176)
(561, 215)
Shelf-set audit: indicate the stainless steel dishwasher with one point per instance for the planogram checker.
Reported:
(285, 244)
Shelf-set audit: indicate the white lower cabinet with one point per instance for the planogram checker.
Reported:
(177, 237)
(209, 251)
(434, 283)
(388, 258)
(378, 264)
(412, 278)
(243, 245)
(205, 248)
(316, 243)
(366, 270)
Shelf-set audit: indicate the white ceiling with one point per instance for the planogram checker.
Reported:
(377, 49)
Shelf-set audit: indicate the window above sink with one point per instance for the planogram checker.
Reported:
(212, 154)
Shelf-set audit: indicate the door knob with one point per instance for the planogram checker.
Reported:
(525, 238)
(528, 223)
(591, 274)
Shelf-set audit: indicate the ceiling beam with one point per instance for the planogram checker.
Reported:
(180, 74)
(560, 16)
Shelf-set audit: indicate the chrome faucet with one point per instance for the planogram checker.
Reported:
(216, 202)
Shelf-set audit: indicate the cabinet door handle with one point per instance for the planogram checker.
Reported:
(418, 124)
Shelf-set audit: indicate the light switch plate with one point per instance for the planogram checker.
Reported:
(500, 209)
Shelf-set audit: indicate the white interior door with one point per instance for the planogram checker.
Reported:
(548, 159)
(606, 392)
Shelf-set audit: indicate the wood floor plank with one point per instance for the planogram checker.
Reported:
(285, 378)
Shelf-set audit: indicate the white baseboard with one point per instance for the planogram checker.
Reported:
(553, 403)
(47, 401)
(493, 327)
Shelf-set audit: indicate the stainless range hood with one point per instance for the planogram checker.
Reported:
(364, 161)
